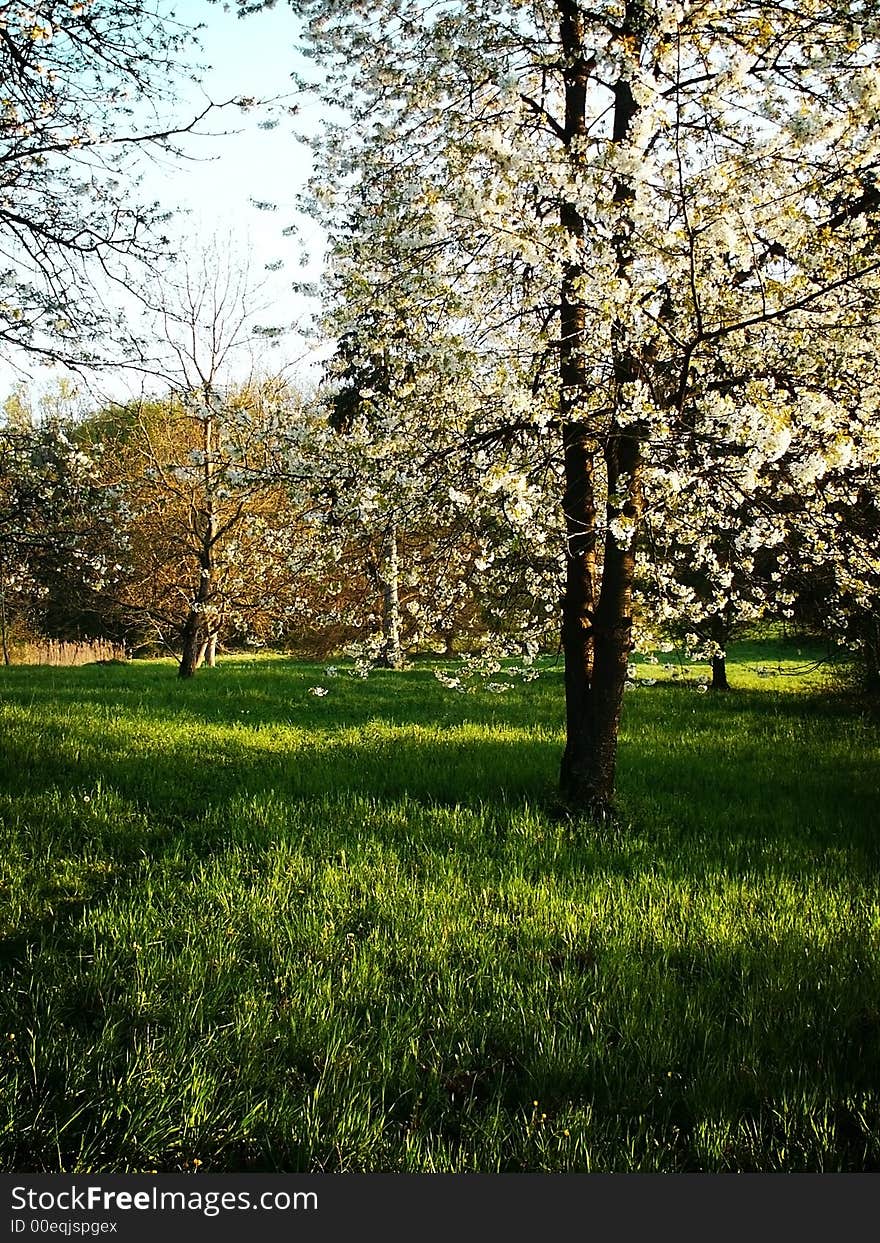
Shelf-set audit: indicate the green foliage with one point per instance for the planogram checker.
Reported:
(257, 928)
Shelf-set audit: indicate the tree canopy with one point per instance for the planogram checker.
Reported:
(623, 242)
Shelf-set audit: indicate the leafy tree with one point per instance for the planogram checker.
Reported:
(209, 531)
(58, 532)
(595, 226)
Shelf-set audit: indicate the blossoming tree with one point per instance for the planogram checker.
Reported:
(589, 220)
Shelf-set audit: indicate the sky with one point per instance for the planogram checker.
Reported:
(250, 57)
(216, 191)
(232, 162)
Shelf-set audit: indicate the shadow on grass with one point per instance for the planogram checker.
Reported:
(745, 778)
(638, 1055)
(633, 1043)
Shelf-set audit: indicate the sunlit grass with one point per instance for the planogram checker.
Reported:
(260, 929)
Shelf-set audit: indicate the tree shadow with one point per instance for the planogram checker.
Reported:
(712, 778)
(704, 802)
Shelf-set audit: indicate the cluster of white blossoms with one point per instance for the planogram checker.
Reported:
(721, 266)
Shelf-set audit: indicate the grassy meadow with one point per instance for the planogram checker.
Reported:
(246, 927)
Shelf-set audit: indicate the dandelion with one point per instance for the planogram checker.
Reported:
(318, 690)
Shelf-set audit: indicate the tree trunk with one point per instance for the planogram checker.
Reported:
(595, 681)
(719, 674)
(596, 626)
(193, 641)
(720, 630)
(3, 623)
(392, 652)
(196, 634)
(207, 652)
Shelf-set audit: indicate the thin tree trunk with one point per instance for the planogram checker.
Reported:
(195, 632)
(3, 623)
(392, 654)
(596, 625)
(207, 652)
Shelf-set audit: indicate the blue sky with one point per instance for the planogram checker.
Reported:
(254, 57)
(213, 191)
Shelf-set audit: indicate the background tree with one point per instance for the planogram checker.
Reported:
(210, 523)
(58, 533)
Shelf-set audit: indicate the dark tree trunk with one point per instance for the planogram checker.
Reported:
(193, 644)
(197, 632)
(579, 447)
(596, 620)
(719, 674)
(720, 630)
(596, 679)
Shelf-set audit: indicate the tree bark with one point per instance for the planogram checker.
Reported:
(208, 651)
(3, 623)
(196, 634)
(389, 578)
(596, 678)
(596, 625)
(719, 674)
(193, 641)
(720, 630)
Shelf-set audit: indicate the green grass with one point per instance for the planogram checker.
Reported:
(249, 927)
